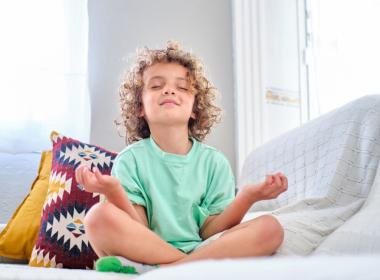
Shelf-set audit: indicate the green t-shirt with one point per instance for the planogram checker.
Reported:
(179, 192)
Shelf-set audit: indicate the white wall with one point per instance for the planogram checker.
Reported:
(118, 27)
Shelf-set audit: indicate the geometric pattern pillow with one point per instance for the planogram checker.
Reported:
(62, 241)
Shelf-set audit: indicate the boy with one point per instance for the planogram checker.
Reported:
(168, 191)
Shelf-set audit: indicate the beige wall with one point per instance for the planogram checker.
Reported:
(118, 27)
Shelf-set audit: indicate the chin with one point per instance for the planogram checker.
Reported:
(171, 122)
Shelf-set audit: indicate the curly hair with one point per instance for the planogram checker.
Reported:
(130, 91)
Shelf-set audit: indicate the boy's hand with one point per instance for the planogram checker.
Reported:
(94, 181)
(272, 186)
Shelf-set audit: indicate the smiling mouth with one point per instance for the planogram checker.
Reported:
(169, 102)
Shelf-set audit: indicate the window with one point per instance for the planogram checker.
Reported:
(344, 52)
(43, 72)
(297, 59)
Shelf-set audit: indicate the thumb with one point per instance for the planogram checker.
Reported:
(98, 175)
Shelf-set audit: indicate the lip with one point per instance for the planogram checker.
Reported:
(169, 101)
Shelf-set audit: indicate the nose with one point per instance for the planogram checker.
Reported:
(169, 91)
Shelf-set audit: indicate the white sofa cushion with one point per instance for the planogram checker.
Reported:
(361, 233)
(331, 163)
(17, 173)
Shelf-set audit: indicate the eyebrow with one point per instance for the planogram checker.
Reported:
(162, 78)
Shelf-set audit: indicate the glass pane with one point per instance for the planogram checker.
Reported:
(346, 57)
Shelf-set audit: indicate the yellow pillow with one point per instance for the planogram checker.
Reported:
(18, 237)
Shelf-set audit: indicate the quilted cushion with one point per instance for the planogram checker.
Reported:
(361, 233)
(331, 163)
(340, 148)
(62, 241)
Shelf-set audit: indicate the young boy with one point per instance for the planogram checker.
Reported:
(168, 191)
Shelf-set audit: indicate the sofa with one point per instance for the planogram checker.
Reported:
(330, 212)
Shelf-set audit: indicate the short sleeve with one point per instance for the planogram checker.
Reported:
(220, 190)
(125, 170)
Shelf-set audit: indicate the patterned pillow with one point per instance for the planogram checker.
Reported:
(62, 241)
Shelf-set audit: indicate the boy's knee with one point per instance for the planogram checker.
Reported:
(270, 230)
(273, 231)
(98, 215)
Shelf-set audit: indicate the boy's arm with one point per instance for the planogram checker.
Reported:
(94, 181)
(230, 217)
(141, 210)
(120, 199)
(234, 213)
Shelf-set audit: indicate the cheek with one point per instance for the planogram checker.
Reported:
(147, 100)
(192, 101)
(191, 108)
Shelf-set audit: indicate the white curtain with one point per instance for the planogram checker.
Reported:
(43, 73)
(346, 55)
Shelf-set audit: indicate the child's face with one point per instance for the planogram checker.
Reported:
(167, 98)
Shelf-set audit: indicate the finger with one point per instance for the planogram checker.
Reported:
(285, 182)
(98, 175)
(269, 179)
(277, 180)
(283, 187)
(281, 177)
(87, 177)
(277, 191)
(78, 174)
(82, 171)
(279, 174)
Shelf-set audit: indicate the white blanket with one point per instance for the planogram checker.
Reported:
(25, 272)
(331, 163)
(361, 233)
(284, 268)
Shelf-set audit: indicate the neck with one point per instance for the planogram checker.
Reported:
(172, 139)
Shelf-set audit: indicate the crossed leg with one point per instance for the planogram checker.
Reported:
(112, 232)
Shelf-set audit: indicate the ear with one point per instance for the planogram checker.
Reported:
(142, 112)
(192, 115)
